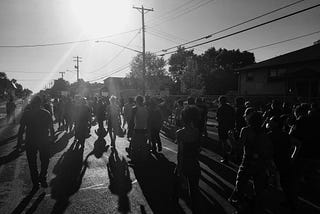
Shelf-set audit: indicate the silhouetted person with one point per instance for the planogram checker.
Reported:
(139, 129)
(155, 124)
(114, 120)
(38, 124)
(188, 140)
(177, 114)
(100, 112)
(82, 121)
(226, 121)
(10, 108)
(127, 111)
(257, 156)
(285, 152)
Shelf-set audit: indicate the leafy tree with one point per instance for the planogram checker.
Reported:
(178, 62)
(58, 86)
(217, 68)
(155, 76)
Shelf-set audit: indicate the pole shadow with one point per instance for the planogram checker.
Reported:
(120, 182)
(69, 172)
(26, 200)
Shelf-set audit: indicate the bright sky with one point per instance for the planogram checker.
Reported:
(172, 22)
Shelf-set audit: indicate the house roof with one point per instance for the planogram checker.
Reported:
(310, 53)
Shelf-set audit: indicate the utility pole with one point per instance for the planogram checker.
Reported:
(77, 59)
(62, 73)
(143, 11)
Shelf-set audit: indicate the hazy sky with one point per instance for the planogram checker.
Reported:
(172, 22)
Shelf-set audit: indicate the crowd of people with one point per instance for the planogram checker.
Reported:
(279, 137)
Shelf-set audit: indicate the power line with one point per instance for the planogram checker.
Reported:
(165, 38)
(237, 25)
(113, 72)
(181, 13)
(178, 7)
(65, 43)
(25, 72)
(247, 29)
(283, 41)
(118, 54)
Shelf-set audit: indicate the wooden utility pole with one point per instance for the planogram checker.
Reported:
(77, 60)
(143, 11)
(62, 73)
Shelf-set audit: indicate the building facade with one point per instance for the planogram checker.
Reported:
(293, 74)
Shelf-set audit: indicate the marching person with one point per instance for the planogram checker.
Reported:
(38, 125)
(226, 121)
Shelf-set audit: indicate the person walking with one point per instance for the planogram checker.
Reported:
(138, 129)
(82, 121)
(155, 124)
(38, 125)
(114, 120)
(188, 140)
(11, 107)
(226, 122)
(256, 160)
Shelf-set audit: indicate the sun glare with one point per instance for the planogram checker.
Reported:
(101, 16)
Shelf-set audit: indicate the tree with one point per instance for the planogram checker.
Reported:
(178, 62)
(58, 86)
(155, 75)
(217, 68)
(184, 70)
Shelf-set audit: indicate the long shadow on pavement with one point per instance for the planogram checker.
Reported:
(69, 172)
(26, 200)
(155, 176)
(120, 182)
(10, 157)
(60, 144)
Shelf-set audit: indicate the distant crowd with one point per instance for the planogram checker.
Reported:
(281, 138)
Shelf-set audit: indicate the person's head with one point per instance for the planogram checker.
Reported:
(131, 100)
(276, 104)
(240, 101)
(247, 104)
(139, 100)
(35, 102)
(180, 102)
(222, 100)
(113, 100)
(248, 112)
(191, 101)
(275, 123)
(301, 110)
(255, 120)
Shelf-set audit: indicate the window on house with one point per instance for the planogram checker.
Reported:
(249, 76)
(276, 74)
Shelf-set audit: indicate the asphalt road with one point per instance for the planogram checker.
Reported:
(108, 184)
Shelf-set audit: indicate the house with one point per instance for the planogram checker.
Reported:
(293, 74)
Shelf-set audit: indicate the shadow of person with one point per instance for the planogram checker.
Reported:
(24, 202)
(156, 179)
(120, 182)
(100, 146)
(11, 156)
(60, 144)
(69, 172)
